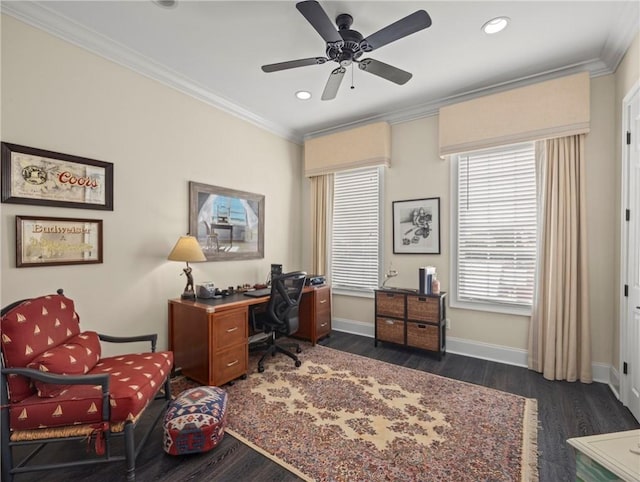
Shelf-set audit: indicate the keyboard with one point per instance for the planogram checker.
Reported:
(258, 293)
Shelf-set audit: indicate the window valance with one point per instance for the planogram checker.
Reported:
(555, 108)
(364, 146)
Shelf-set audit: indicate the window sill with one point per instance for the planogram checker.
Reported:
(493, 308)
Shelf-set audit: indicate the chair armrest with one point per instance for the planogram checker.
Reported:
(101, 379)
(153, 338)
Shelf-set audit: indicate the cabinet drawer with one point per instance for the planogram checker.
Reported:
(230, 364)
(229, 328)
(323, 326)
(323, 304)
(391, 330)
(423, 308)
(422, 335)
(390, 304)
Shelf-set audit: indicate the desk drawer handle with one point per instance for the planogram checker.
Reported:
(230, 330)
(323, 301)
(234, 362)
(324, 324)
(389, 322)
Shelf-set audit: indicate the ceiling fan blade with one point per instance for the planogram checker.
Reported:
(319, 20)
(406, 26)
(333, 84)
(292, 64)
(386, 71)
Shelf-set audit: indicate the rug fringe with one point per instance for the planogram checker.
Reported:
(530, 441)
(277, 460)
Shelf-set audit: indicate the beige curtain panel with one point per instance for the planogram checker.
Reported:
(559, 332)
(321, 220)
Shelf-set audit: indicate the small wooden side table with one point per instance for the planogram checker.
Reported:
(608, 457)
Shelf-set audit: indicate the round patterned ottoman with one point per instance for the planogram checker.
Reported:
(195, 421)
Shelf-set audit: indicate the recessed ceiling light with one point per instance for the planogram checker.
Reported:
(165, 3)
(495, 25)
(303, 95)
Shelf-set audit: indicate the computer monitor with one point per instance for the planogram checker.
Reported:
(276, 270)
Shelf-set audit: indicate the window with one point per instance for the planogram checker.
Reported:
(355, 237)
(495, 229)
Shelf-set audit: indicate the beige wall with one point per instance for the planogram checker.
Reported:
(627, 75)
(418, 172)
(58, 97)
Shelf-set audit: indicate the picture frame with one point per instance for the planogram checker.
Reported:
(416, 226)
(47, 178)
(53, 241)
(228, 223)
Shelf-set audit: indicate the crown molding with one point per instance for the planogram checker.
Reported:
(40, 16)
(620, 38)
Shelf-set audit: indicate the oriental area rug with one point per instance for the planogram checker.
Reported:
(344, 417)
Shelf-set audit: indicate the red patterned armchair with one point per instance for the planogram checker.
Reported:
(55, 385)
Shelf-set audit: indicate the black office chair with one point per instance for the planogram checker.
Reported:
(280, 318)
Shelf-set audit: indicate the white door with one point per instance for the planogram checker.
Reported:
(630, 317)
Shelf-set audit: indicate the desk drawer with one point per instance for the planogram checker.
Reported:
(229, 328)
(323, 311)
(230, 364)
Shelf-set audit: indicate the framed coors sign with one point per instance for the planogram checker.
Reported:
(46, 178)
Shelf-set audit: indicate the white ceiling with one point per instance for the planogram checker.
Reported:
(213, 50)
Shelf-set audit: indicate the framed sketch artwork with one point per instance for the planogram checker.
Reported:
(416, 226)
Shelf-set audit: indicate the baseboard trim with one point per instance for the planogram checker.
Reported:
(475, 349)
(614, 381)
(353, 327)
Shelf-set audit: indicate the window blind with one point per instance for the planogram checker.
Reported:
(496, 229)
(355, 248)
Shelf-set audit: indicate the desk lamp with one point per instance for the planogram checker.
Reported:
(187, 249)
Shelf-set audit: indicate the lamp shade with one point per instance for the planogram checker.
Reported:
(187, 249)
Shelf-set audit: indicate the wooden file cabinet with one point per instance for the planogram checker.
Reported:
(209, 346)
(315, 314)
(409, 319)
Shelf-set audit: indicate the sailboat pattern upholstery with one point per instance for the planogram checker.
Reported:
(44, 333)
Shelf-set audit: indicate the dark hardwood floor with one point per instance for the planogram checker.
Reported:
(565, 410)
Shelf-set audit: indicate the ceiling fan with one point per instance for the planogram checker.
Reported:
(346, 46)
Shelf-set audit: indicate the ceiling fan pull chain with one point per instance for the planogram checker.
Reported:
(352, 86)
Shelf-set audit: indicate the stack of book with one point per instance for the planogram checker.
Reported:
(426, 274)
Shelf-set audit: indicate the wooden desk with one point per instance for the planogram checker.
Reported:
(209, 337)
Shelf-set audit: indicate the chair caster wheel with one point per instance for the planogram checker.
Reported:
(298, 350)
(298, 363)
(260, 369)
(244, 377)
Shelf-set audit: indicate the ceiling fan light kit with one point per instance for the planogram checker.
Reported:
(345, 46)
